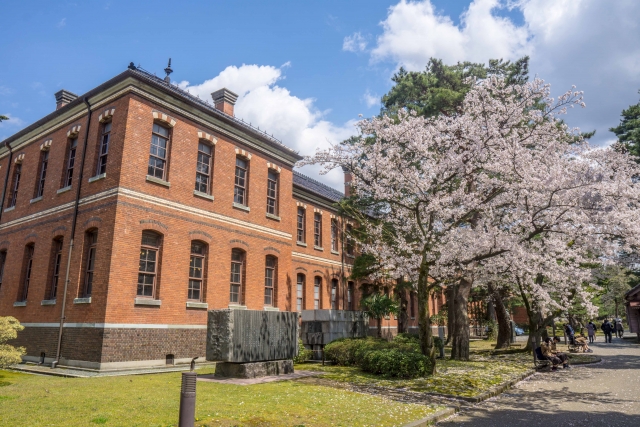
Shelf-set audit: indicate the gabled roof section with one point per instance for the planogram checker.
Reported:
(632, 292)
(316, 187)
(173, 90)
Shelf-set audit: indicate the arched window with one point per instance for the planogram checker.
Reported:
(3, 259)
(42, 174)
(159, 152)
(91, 244)
(301, 225)
(317, 293)
(69, 163)
(237, 275)
(412, 305)
(15, 184)
(300, 279)
(334, 294)
(103, 148)
(197, 266)
(27, 269)
(350, 296)
(148, 274)
(272, 192)
(270, 280)
(56, 257)
(204, 167)
(241, 182)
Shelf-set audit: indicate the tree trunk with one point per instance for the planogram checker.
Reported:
(615, 300)
(424, 320)
(460, 333)
(379, 325)
(504, 324)
(451, 315)
(402, 315)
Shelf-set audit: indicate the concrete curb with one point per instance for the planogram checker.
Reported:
(433, 418)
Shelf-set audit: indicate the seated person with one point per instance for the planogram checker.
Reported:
(563, 357)
(581, 341)
(549, 354)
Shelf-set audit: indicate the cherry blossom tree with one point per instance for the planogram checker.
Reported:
(504, 186)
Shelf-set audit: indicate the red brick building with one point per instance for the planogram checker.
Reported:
(147, 206)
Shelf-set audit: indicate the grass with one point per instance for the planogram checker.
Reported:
(466, 379)
(153, 400)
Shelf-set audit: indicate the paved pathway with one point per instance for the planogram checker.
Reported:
(603, 394)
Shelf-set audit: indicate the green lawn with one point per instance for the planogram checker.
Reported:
(152, 400)
(467, 379)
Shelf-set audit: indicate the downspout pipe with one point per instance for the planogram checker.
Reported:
(6, 179)
(73, 232)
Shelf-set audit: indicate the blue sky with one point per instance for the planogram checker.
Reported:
(306, 69)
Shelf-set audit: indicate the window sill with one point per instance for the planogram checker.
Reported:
(98, 177)
(10, 209)
(148, 301)
(37, 199)
(158, 181)
(269, 308)
(318, 248)
(274, 217)
(48, 302)
(202, 195)
(413, 318)
(86, 300)
(241, 207)
(20, 304)
(237, 307)
(64, 189)
(196, 304)
(335, 252)
(301, 244)
(351, 256)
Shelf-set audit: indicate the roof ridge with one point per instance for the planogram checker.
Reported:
(317, 182)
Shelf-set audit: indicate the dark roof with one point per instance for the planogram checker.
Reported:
(632, 291)
(143, 75)
(316, 187)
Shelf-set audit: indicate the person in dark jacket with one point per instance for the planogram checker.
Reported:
(569, 331)
(607, 328)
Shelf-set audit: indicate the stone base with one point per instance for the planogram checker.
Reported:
(254, 369)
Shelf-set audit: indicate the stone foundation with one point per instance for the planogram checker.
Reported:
(254, 370)
(112, 348)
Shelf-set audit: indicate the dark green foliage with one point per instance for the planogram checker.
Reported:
(398, 358)
(363, 266)
(303, 353)
(3, 118)
(440, 89)
(628, 131)
(396, 363)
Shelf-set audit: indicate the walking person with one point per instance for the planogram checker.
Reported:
(619, 328)
(591, 331)
(607, 328)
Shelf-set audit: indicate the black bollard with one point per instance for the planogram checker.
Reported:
(188, 398)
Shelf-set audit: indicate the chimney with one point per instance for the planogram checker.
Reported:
(224, 100)
(348, 177)
(64, 97)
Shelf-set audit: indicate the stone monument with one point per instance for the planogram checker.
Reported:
(320, 327)
(252, 343)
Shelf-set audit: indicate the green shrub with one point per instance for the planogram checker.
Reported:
(396, 363)
(399, 358)
(348, 351)
(303, 353)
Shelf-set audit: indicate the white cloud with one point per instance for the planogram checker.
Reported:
(413, 32)
(589, 43)
(370, 99)
(4, 90)
(264, 103)
(62, 23)
(354, 43)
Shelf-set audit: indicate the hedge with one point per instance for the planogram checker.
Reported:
(398, 358)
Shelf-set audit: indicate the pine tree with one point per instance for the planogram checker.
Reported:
(628, 131)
